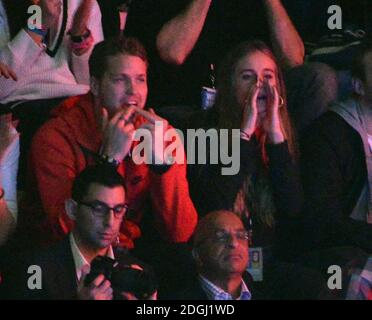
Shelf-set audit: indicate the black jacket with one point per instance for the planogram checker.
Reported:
(58, 273)
(334, 173)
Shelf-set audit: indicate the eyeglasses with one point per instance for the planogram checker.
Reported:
(101, 210)
(224, 237)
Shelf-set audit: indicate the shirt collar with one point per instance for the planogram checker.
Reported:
(216, 293)
(79, 258)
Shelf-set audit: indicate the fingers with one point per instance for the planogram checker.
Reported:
(253, 87)
(98, 281)
(275, 94)
(250, 112)
(256, 90)
(273, 97)
(101, 288)
(128, 296)
(149, 115)
(7, 73)
(123, 117)
(251, 101)
(108, 293)
(12, 74)
(128, 114)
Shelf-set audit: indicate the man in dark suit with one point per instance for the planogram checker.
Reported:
(98, 207)
(220, 252)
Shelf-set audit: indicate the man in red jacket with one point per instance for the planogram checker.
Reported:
(99, 127)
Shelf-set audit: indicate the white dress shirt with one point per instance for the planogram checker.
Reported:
(79, 258)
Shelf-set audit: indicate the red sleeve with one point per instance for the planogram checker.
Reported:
(175, 213)
(53, 165)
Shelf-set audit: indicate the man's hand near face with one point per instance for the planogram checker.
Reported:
(157, 126)
(117, 133)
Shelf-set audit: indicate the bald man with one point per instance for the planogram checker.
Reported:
(220, 251)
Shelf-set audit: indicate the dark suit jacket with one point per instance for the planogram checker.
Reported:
(58, 273)
(192, 289)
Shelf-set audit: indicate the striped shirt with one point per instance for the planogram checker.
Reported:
(213, 292)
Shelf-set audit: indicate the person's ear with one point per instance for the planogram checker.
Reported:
(358, 86)
(94, 86)
(71, 208)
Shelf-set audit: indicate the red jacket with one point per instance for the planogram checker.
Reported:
(58, 155)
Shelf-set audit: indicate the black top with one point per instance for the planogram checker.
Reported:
(334, 173)
(58, 272)
(210, 190)
(227, 24)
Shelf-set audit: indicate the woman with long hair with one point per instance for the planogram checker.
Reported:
(251, 97)
(266, 192)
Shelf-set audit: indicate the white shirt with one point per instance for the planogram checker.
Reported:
(41, 76)
(79, 259)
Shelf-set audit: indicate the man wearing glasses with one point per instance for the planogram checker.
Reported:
(98, 206)
(220, 252)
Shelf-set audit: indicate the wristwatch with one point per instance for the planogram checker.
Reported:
(105, 159)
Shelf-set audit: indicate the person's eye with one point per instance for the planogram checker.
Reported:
(221, 235)
(269, 76)
(117, 80)
(119, 209)
(141, 80)
(98, 207)
(248, 76)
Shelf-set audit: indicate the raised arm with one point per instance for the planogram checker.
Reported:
(287, 43)
(178, 36)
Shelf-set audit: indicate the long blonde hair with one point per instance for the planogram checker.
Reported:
(255, 196)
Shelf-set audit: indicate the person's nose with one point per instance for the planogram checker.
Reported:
(109, 218)
(130, 87)
(233, 241)
(261, 81)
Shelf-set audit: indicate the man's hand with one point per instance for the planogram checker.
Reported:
(99, 289)
(7, 73)
(157, 127)
(117, 133)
